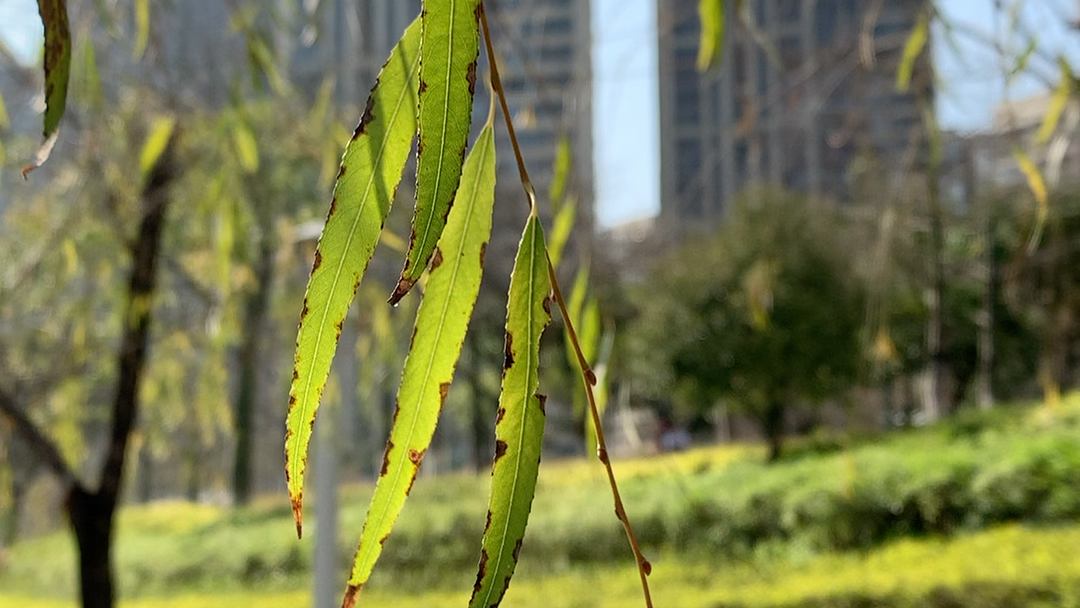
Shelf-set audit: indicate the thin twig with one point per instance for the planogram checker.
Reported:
(587, 376)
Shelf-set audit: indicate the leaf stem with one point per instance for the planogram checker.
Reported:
(588, 377)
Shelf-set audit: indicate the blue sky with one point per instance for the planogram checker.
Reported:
(626, 128)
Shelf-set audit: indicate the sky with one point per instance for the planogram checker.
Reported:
(625, 101)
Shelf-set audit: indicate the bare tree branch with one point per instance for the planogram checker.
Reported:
(39, 442)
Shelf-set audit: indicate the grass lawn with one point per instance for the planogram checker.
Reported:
(984, 507)
(1022, 557)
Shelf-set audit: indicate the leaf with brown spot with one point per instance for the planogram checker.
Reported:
(352, 593)
(449, 49)
(376, 161)
(519, 431)
(439, 332)
(508, 357)
(57, 68)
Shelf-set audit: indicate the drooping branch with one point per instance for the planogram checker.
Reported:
(588, 377)
(40, 443)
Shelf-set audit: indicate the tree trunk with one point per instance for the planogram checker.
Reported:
(988, 319)
(92, 520)
(772, 423)
(254, 320)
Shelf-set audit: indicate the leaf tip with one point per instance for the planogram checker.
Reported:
(298, 515)
(403, 287)
(351, 593)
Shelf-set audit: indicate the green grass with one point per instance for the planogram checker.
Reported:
(893, 517)
(1017, 558)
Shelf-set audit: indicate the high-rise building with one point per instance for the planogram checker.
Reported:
(804, 90)
(543, 48)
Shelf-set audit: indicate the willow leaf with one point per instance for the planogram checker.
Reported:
(560, 172)
(160, 134)
(519, 426)
(142, 28)
(914, 46)
(1037, 185)
(711, 13)
(441, 322)
(449, 48)
(370, 172)
(561, 228)
(1057, 103)
(57, 68)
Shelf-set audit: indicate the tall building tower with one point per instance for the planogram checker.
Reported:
(804, 89)
(543, 49)
(544, 53)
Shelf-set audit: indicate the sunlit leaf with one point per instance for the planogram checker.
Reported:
(5, 121)
(914, 46)
(561, 229)
(560, 173)
(142, 28)
(711, 13)
(156, 142)
(247, 149)
(71, 258)
(371, 170)
(519, 426)
(449, 50)
(1037, 185)
(441, 321)
(1057, 104)
(57, 70)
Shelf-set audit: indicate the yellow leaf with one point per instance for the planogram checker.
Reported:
(1038, 188)
(247, 150)
(142, 27)
(1057, 105)
(160, 132)
(914, 46)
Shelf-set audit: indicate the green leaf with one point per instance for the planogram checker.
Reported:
(1057, 104)
(247, 149)
(370, 172)
(519, 426)
(155, 144)
(711, 45)
(561, 229)
(95, 98)
(914, 46)
(439, 333)
(560, 172)
(57, 70)
(449, 49)
(5, 121)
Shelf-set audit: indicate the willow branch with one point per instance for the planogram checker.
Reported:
(587, 376)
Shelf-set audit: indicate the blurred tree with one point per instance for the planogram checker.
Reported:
(1043, 287)
(764, 315)
(51, 360)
